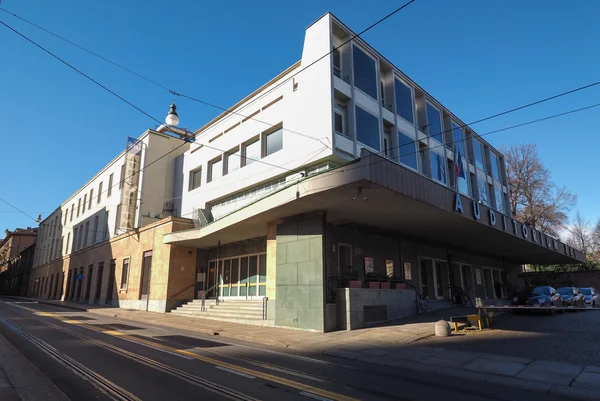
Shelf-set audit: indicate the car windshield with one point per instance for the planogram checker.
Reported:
(565, 291)
(585, 291)
(541, 291)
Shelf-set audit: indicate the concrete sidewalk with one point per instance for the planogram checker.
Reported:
(391, 345)
(20, 380)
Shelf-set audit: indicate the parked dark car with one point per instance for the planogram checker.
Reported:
(571, 296)
(590, 295)
(537, 296)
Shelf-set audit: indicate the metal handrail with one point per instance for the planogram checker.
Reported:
(203, 298)
(186, 288)
(264, 304)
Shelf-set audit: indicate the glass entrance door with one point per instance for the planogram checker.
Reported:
(243, 277)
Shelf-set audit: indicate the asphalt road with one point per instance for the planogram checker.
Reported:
(571, 337)
(92, 357)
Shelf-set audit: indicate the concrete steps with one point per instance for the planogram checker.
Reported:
(238, 311)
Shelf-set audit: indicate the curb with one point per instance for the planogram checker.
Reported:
(574, 393)
(63, 306)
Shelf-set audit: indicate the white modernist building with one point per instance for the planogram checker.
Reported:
(325, 199)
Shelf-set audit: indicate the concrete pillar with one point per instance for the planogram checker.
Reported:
(300, 283)
(271, 261)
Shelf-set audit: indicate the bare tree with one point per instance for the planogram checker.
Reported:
(580, 235)
(534, 198)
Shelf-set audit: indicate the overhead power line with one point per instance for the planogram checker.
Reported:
(195, 99)
(128, 103)
(229, 110)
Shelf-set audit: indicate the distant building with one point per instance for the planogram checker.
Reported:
(324, 199)
(16, 248)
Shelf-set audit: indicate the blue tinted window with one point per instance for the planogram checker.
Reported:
(478, 153)
(408, 150)
(495, 170)
(499, 200)
(434, 126)
(458, 139)
(367, 128)
(438, 169)
(482, 188)
(404, 102)
(365, 73)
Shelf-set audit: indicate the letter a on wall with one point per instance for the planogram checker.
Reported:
(458, 207)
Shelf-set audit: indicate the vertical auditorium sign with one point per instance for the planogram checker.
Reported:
(130, 186)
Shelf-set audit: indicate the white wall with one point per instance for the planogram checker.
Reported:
(306, 114)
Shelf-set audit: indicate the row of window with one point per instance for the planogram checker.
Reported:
(263, 145)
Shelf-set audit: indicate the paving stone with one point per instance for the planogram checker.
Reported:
(519, 383)
(494, 367)
(465, 374)
(575, 393)
(544, 377)
(587, 380)
(340, 353)
(503, 358)
(8, 394)
(593, 369)
(556, 368)
(449, 363)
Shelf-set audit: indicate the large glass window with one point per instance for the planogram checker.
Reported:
(404, 101)
(434, 124)
(438, 168)
(478, 154)
(460, 158)
(195, 179)
(495, 167)
(482, 189)
(251, 152)
(499, 200)
(233, 161)
(273, 142)
(408, 150)
(365, 72)
(215, 170)
(367, 128)
(458, 139)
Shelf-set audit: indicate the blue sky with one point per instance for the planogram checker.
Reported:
(477, 58)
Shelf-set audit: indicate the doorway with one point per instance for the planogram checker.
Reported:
(494, 284)
(433, 277)
(344, 260)
(99, 282)
(111, 282)
(146, 272)
(88, 284)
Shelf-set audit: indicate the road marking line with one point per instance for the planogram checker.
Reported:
(235, 372)
(71, 321)
(316, 397)
(267, 376)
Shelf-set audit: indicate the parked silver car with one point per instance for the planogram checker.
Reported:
(590, 295)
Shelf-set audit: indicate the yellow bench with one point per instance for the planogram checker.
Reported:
(466, 319)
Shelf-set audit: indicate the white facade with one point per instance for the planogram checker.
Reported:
(328, 111)
(89, 216)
